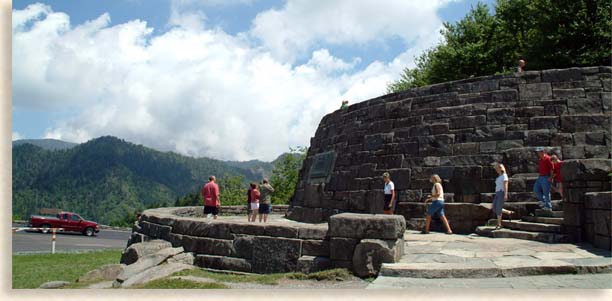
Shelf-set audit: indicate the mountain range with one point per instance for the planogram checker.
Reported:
(107, 178)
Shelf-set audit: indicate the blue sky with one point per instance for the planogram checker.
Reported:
(75, 82)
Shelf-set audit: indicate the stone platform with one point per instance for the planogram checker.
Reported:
(466, 256)
(358, 242)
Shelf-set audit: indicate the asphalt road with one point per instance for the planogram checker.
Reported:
(25, 242)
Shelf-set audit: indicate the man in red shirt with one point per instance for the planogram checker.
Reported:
(542, 184)
(210, 194)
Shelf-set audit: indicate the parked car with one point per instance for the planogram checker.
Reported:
(69, 221)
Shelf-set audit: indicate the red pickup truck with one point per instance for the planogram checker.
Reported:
(67, 220)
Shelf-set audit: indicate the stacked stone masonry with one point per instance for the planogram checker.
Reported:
(457, 130)
(358, 242)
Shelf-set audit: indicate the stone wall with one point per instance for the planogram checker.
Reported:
(358, 242)
(587, 206)
(457, 130)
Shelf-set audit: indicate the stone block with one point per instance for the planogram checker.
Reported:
(312, 232)
(465, 148)
(315, 248)
(213, 229)
(243, 246)
(224, 263)
(547, 122)
(601, 221)
(562, 75)
(281, 231)
(598, 200)
(400, 177)
(500, 116)
(312, 264)
(211, 246)
(248, 229)
(585, 106)
(572, 214)
(275, 255)
(573, 152)
(569, 93)
(596, 151)
(584, 123)
(468, 122)
(342, 248)
(535, 91)
(352, 225)
(370, 254)
(561, 139)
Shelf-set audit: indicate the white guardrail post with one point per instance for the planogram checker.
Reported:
(53, 232)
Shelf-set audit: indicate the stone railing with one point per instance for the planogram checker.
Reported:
(587, 201)
(358, 242)
(456, 130)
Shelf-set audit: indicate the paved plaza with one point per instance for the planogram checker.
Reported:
(471, 261)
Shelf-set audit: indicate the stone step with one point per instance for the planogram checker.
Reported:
(531, 227)
(543, 219)
(548, 237)
(547, 213)
(479, 268)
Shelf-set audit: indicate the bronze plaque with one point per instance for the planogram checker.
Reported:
(322, 165)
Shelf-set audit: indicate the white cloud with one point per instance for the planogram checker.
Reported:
(193, 90)
(17, 136)
(291, 31)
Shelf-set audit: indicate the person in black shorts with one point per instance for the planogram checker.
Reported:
(389, 190)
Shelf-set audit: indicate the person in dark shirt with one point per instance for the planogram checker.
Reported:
(249, 201)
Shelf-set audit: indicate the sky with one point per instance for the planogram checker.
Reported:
(227, 79)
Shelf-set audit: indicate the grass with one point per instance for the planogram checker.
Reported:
(328, 275)
(180, 284)
(32, 270)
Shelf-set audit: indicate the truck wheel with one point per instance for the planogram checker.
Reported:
(89, 231)
(46, 228)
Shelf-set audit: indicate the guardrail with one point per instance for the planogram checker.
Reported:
(53, 231)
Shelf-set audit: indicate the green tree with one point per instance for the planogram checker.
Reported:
(546, 33)
(285, 174)
(232, 190)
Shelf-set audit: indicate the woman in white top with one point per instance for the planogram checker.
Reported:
(437, 204)
(389, 205)
(501, 194)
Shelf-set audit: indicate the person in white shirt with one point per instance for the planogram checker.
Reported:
(389, 206)
(501, 194)
(437, 204)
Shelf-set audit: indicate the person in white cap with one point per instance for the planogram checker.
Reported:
(543, 183)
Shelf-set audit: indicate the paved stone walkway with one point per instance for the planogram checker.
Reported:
(583, 281)
(438, 255)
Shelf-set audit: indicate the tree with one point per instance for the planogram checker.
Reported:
(232, 190)
(285, 174)
(548, 34)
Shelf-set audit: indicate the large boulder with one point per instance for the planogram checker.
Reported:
(106, 272)
(370, 254)
(138, 250)
(378, 226)
(147, 262)
(154, 273)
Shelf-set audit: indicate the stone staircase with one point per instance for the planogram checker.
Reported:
(544, 226)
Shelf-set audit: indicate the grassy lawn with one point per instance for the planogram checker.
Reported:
(30, 271)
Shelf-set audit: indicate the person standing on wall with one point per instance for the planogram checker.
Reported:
(558, 187)
(437, 204)
(543, 183)
(266, 200)
(389, 190)
(254, 202)
(210, 194)
(501, 194)
(521, 66)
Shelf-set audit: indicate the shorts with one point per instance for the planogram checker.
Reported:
(437, 206)
(211, 210)
(264, 209)
(254, 206)
(498, 202)
(388, 201)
